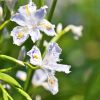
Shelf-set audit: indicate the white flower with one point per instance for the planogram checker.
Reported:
(31, 21)
(77, 30)
(46, 79)
(50, 60)
(49, 65)
(21, 75)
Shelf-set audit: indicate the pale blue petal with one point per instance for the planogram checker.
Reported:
(47, 27)
(19, 19)
(39, 77)
(53, 84)
(35, 56)
(35, 35)
(17, 38)
(58, 67)
(28, 9)
(52, 54)
(40, 14)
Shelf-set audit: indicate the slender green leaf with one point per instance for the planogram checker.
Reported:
(5, 94)
(22, 92)
(9, 79)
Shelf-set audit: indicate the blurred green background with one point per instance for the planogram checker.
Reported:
(83, 83)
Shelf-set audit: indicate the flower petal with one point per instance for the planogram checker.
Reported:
(28, 9)
(53, 84)
(19, 19)
(58, 67)
(47, 27)
(35, 35)
(20, 35)
(52, 55)
(35, 56)
(39, 77)
(40, 13)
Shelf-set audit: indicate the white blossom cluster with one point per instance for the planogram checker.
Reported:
(31, 22)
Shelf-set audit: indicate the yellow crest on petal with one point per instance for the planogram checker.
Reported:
(36, 56)
(51, 81)
(20, 35)
(27, 10)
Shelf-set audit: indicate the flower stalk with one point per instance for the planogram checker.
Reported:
(21, 63)
(4, 24)
(52, 10)
(59, 35)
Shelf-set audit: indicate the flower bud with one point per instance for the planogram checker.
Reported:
(21, 75)
(1, 13)
(59, 28)
(10, 4)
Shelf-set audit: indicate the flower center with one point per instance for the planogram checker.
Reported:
(36, 56)
(20, 35)
(52, 82)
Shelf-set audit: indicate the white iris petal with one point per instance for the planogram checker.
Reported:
(39, 77)
(35, 56)
(53, 84)
(20, 35)
(47, 27)
(19, 19)
(35, 35)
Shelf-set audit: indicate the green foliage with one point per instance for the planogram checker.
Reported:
(9, 80)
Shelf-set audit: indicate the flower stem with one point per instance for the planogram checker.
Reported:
(4, 24)
(21, 63)
(7, 69)
(59, 35)
(52, 10)
(28, 80)
(42, 2)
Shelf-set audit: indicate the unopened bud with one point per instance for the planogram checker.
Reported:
(10, 4)
(59, 28)
(21, 75)
(1, 13)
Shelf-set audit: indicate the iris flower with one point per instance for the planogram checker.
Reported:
(48, 66)
(31, 21)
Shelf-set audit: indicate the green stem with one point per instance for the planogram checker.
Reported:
(52, 10)
(21, 63)
(57, 37)
(4, 24)
(28, 81)
(7, 69)
(30, 66)
(41, 2)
